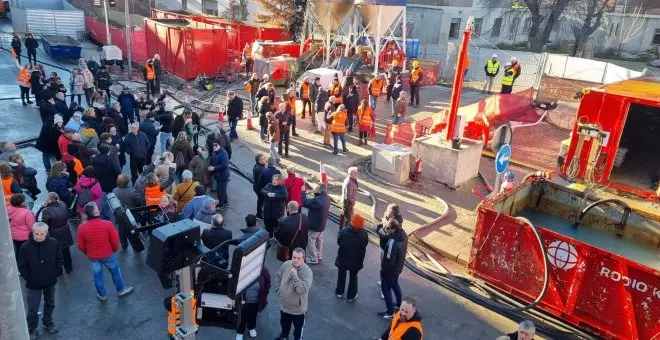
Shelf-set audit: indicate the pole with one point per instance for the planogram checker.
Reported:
(108, 40)
(128, 39)
(404, 30)
(13, 324)
(458, 78)
(377, 52)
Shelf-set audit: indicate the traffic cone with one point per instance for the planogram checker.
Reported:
(324, 175)
(221, 117)
(249, 122)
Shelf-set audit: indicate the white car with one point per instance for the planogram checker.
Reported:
(326, 75)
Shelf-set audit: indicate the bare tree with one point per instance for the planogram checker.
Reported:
(630, 26)
(587, 17)
(236, 10)
(276, 12)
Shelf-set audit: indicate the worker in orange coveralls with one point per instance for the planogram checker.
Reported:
(247, 56)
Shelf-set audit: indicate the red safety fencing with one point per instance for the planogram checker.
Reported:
(118, 37)
(203, 51)
(481, 117)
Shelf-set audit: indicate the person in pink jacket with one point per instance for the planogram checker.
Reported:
(21, 219)
(88, 181)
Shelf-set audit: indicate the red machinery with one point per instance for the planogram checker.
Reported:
(616, 140)
(188, 48)
(603, 271)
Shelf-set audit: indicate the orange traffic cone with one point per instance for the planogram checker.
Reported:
(249, 123)
(221, 117)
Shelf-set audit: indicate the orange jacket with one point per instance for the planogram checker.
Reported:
(375, 87)
(338, 122)
(304, 90)
(153, 194)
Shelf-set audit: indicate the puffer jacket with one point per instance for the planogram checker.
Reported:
(21, 220)
(56, 215)
(88, 78)
(60, 185)
(95, 190)
(394, 252)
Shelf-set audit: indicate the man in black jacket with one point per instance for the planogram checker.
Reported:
(166, 120)
(292, 229)
(107, 169)
(284, 117)
(40, 263)
(148, 127)
(136, 145)
(47, 109)
(217, 235)
(31, 45)
(257, 169)
(317, 210)
(391, 265)
(234, 113)
(103, 80)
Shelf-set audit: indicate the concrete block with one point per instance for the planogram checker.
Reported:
(391, 162)
(442, 163)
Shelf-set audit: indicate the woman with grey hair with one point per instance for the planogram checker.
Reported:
(185, 191)
(56, 214)
(526, 331)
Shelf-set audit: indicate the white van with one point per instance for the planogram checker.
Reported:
(325, 74)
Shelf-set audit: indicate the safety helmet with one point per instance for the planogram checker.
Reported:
(395, 62)
(509, 176)
(415, 63)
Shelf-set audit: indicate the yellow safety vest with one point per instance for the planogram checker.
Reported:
(507, 79)
(492, 67)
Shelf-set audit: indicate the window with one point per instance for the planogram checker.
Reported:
(454, 27)
(513, 28)
(527, 25)
(497, 25)
(656, 37)
(478, 22)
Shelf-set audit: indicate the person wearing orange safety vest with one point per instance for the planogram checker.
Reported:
(149, 74)
(406, 323)
(153, 190)
(24, 74)
(338, 128)
(467, 65)
(305, 93)
(416, 77)
(335, 89)
(290, 102)
(247, 56)
(375, 89)
(366, 120)
(9, 185)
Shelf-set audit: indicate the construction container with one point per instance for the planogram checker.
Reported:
(61, 47)
(603, 257)
(188, 48)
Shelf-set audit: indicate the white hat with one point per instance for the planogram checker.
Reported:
(58, 119)
(513, 59)
(494, 55)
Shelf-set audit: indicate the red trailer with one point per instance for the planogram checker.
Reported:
(602, 260)
(188, 48)
(616, 140)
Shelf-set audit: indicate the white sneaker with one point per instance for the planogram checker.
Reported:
(253, 333)
(378, 283)
(239, 336)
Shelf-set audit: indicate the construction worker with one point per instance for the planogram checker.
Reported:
(492, 68)
(507, 79)
(515, 65)
(406, 323)
(247, 56)
(291, 107)
(338, 128)
(24, 82)
(304, 93)
(366, 120)
(375, 89)
(416, 77)
(390, 75)
(149, 74)
(252, 87)
(468, 63)
(335, 89)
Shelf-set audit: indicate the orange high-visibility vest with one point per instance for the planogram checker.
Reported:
(153, 194)
(248, 87)
(6, 189)
(468, 62)
(304, 90)
(416, 73)
(336, 91)
(151, 75)
(77, 166)
(291, 102)
(248, 52)
(338, 122)
(24, 78)
(398, 330)
(364, 116)
(376, 87)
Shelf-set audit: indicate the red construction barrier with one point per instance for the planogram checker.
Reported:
(118, 36)
(205, 52)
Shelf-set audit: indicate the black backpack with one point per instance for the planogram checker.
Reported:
(85, 195)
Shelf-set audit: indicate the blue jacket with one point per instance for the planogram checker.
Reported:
(220, 164)
(128, 104)
(318, 208)
(137, 145)
(149, 128)
(193, 207)
(267, 176)
(60, 185)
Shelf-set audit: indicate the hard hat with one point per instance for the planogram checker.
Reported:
(395, 62)
(513, 59)
(415, 63)
(509, 176)
(494, 55)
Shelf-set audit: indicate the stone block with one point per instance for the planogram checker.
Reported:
(444, 164)
(391, 162)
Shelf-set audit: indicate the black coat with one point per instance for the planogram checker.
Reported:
(214, 237)
(263, 111)
(31, 44)
(352, 102)
(394, 252)
(103, 80)
(40, 263)
(107, 169)
(235, 108)
(352, 248)
(56, 215)
(317, 210)
(149, 129)
(257, 169)
(166, 120)
(60, 185)
(16, 45)
(136, 145)
(287, 230)
(274, 206)
(35, 83)
(47, 141)
(47, 111)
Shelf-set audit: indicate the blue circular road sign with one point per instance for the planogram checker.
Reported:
(502, 158)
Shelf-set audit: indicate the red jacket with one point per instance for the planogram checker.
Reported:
(98, 238)
(293, 185)
(63, 145)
